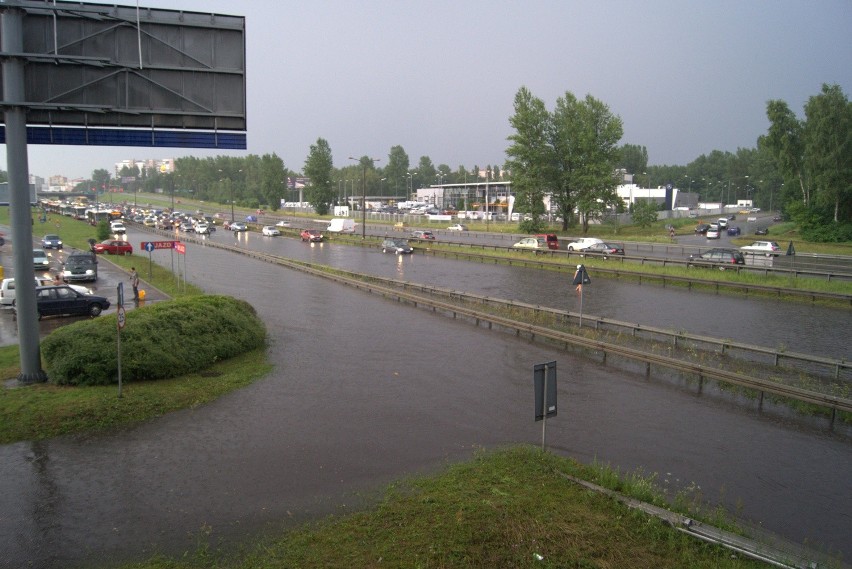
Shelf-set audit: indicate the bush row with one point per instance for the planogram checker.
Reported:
(164, 340)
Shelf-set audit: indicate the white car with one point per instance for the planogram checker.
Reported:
(7, 289)
(202, 228)
(457, 227)
(531, 243)
(270, 231)
(283, 223)
(714, 231)
(769, 248)
(117, 228)
(238, 226)
(582, 243)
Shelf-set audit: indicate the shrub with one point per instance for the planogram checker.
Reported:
(160, 341)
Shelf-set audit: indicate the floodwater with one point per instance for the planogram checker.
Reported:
(366, 391)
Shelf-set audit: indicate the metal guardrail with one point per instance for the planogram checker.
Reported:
(833, 403)
(687, 281)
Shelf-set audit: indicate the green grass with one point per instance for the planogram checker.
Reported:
(44, 410)
(509, 508)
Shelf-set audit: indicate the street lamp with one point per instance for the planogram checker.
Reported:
(364, 161)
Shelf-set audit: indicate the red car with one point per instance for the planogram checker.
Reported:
(312, 235)
(113, 247)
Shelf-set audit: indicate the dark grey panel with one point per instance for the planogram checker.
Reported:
(191, 73)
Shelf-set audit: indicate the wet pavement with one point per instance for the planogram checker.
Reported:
(365, 391)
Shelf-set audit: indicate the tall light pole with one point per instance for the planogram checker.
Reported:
(364, 161)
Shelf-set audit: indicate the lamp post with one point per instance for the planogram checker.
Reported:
(364, 161)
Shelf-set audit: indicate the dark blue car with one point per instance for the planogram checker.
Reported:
(733, 231)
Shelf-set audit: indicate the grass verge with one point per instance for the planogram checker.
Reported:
(42, 411)
(508, 508)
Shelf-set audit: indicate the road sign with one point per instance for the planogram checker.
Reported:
(122, 317)
(151, 245)
(180, 247)
(544, 380)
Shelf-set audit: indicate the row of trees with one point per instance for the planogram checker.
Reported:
(800, 166)
(571, 153)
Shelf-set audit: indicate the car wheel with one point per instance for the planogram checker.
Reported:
(95, 310)
(570, 248)
(384, 250)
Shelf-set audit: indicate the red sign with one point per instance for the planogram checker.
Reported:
(180, 247)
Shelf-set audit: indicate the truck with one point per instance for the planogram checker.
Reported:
(341, 225)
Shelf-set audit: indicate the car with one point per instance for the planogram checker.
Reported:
(551, 239)
(8, 294)
(311, 235)
(457, 227)
(40, 260)
(583, 243)
(423, 235)
(777, 218)
(187, 227)
(693, 214)
(702, 228)
(238, 226)
(80, 267)
(396, 245)
(531, 243)
(118, 228)
(51, 242)
(283, 223)
(202, 228)
(713, 232)
(719, 258)
(732, 217)
(769, 248)
(734, 230)
(149, 222)
(604, 250)
(762, 231)
(723, 223)
(113, 247)
(270, 231)
(61, 300)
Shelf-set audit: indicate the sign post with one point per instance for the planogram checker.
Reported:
(544, 382)
(181, 249)
(581, 277)
(120, 320)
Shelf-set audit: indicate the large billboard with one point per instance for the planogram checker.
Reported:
(95, 66)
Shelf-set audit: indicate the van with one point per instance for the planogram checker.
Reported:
(341, 225)
(551, 239)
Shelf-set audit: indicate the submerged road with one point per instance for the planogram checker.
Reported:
(365, 391)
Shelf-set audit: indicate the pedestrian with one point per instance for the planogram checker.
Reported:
(134, 282)
(671, 233)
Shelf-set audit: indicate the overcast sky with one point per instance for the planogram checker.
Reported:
(439, 77)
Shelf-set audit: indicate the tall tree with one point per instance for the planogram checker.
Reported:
(100, 180)
(633, 158)
(396, 171)
(530, 155)
(319, 167)
(785, 138)
(828, 149)
(426, 172)
(599, 132)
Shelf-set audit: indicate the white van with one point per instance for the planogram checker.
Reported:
(341, 225)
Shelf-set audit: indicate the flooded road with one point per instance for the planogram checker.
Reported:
(365, 391)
